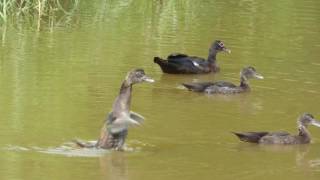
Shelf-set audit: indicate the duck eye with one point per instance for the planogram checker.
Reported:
(310, 115)
(221, 44)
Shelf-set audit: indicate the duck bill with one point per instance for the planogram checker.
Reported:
(147, 79)
(258, 76)
(226, 50)
(315, 123)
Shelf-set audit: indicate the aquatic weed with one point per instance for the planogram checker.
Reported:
(38, 12)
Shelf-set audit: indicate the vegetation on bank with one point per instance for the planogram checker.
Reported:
(37, 12)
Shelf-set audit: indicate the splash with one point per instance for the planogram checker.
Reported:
(71, 149)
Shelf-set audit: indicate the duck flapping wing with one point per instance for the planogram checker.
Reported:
(123, 122)
(136, 117)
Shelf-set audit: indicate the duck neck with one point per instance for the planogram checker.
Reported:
(121, 105)
(123, 101)
(212, 56)
(304, 134)
(244, 83)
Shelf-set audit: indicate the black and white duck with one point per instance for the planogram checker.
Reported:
(223, 87)
(264, 137)
(178, 63)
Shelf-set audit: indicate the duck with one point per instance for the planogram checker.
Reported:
(115, 129)
(224, 87)
(282, 138)
(177, 63)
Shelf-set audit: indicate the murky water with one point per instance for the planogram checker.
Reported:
(58, 84)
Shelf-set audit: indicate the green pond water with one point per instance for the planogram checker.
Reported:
(58, 84)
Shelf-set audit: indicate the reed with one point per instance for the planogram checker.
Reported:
(39, 11)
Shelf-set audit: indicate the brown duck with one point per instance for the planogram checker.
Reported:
(303, 136)
(224, 87)
(115, 129)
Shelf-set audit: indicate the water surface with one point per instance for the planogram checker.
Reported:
(58, 84)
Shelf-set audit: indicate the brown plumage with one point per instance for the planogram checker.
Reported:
(224, 87)
(303, 136)
(115, 129)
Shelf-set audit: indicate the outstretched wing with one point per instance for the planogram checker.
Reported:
(137, 117)
(118, 124)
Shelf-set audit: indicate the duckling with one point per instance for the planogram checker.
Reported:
(178, 63)
(303, 136)
(115, 130)
(223, 87)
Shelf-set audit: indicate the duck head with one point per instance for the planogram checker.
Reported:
(307, 119)
(249, 73)
(219, 46)
(137, 76)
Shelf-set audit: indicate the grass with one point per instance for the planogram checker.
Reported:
(38, 11)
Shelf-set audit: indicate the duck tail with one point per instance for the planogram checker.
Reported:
(165, 66)
(82, 144)
(252, 137)
(158, 60)
(188, 86)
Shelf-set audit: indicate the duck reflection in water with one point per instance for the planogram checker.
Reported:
(303, 136)
(114, 166)
(115, 129)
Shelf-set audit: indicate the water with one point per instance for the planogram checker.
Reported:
(58, 84)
